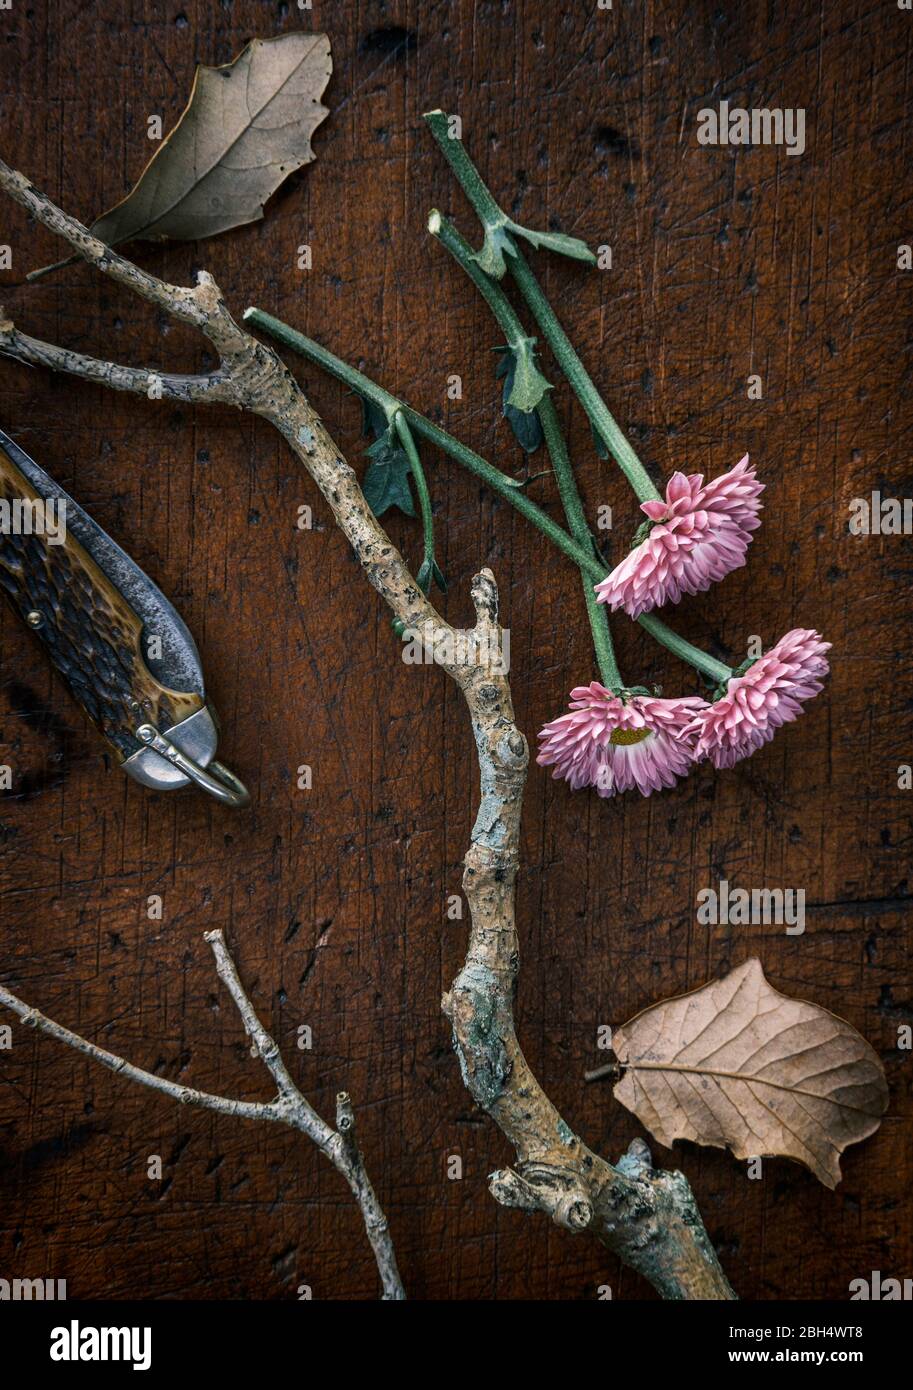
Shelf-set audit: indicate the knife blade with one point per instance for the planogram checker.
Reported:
(123, 650)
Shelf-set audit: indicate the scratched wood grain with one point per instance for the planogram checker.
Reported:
(726, 262)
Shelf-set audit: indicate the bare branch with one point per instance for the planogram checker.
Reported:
(289, 1108)
(143, 381)
(293, 1109)
(290, 1098)
(181, 303)
(185, 1095)
(646, 1216)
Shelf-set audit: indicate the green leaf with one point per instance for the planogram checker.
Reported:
(524, 423)
(386, 483)
(529, 385)
(491, 257)
(373, 419)
(430, 571)
(555, 241)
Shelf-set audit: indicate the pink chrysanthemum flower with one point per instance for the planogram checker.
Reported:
(613, 744)
(700, 534)
(770, 693)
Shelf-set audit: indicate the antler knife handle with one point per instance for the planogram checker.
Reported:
(91, 633)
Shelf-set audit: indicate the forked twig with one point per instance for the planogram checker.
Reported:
(289, 1107)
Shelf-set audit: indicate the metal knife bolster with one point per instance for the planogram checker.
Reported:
(100, 619)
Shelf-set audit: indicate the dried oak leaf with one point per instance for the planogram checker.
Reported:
(246, 127)
(737, 1064)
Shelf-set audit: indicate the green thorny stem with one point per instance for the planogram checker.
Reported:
(496, 223)
(520, 345)
(508, 488)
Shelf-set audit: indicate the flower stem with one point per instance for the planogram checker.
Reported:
(716, 670)
(489, 289)
(401, 425)
(488, 211)
(573, 510)
(581, 383)
(512, 329)
(499, 482)
(471, 181)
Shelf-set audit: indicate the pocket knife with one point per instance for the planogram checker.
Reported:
(120, 646)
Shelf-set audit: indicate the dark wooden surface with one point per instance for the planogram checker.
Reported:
(727, 262)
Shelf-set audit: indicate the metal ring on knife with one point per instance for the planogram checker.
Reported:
(224, 786)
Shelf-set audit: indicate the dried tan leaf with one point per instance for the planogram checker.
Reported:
(737, 1064)
(246, 127)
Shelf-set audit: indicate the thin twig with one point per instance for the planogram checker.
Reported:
(138, 380)
(289, 1108)
(185, 1095)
